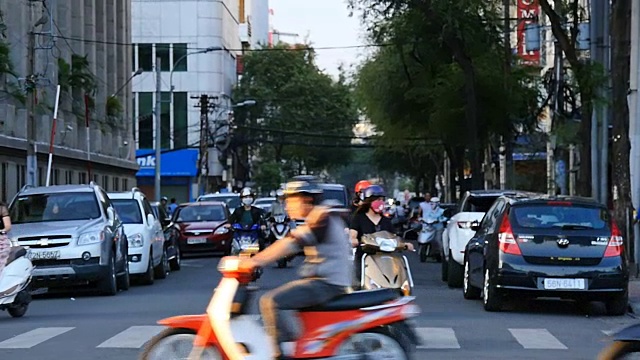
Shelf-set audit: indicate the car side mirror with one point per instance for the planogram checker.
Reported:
(111, 215)
(475, 226)
(150, 219)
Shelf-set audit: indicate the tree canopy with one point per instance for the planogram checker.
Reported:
(303, 118)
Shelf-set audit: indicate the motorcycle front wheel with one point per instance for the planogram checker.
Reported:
(378, 344)
(620, 350)
(176, 344)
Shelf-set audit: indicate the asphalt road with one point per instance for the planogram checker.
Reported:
(85, 326)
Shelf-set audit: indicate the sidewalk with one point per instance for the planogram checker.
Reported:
(634, 296)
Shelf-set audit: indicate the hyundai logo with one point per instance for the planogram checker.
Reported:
(563, 242)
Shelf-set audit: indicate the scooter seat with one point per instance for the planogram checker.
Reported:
(357, 299)
(16, 252)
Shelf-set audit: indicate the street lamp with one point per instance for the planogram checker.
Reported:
(204, 51)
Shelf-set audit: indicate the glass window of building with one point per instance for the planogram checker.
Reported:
(145, 57)
(145, 120)
(180, 50)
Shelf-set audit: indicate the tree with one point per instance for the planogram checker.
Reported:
(302, 115)
(422, 85)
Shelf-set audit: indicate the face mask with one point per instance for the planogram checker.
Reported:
(247, 201)
(377, 206)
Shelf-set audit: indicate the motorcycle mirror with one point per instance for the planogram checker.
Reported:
(475, 226)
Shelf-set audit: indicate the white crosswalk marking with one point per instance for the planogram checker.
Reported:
(537, 339)
(437, 338)
(33, 337)
(132, 338)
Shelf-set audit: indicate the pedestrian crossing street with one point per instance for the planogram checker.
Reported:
(441, 338)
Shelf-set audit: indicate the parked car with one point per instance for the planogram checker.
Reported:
(170, 236)
(232, 200)
(562, 247)
(148, 257)
(457, 234)
(73, 237)
(200, 226)
(264, 203)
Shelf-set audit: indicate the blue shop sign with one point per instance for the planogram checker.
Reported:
(183, 162)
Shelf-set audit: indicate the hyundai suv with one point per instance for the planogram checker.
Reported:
(148, 257)
(72, 235)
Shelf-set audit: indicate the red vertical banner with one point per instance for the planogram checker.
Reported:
(528, 13)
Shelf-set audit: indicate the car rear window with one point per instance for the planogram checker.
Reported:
(66, 206)
(338, 195)
(232, 201)
(128, 210)
(570, 217)
(479, 203)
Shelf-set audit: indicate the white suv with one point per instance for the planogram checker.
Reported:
(147, 251)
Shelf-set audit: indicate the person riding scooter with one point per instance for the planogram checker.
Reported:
(326, 270)
(434, 215)
(368, 219)
(5, 242)
(247, 215)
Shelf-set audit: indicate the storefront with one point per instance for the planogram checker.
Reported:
(178, 172)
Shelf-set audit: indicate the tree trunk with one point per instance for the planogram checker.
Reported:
(620, 36)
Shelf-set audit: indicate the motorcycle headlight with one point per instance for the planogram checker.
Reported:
(90, 238)
(135, 241)
(221, 230)
(406, 288)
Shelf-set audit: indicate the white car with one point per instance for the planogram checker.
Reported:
(147, 252)
(458, 232)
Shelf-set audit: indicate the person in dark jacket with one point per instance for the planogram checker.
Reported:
(248, 215)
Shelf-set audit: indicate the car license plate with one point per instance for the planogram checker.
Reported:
(564, 284)
(43, 255)
(196, 241)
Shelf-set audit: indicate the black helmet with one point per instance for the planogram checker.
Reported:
(373, 191)
(303, 184)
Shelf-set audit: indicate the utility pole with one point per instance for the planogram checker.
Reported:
(606, 91)
(505, 148)
(634, 123)
(595, 32)
(158, 122)
(203, 163)
(551, 164)
(31, 83)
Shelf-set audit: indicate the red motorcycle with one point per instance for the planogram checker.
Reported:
(371, 323)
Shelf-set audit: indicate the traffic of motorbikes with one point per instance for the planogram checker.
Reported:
(384, 298)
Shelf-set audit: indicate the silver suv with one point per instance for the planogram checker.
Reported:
(72, 235)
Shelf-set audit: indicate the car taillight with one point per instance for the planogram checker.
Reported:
(616, 243)
(464, 224)
(506, 240)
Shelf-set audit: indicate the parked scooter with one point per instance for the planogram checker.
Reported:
(280, 227)
(428, 242)
(244, 237)
(383, 265)
(362, 324)
(625, 342)
(14, 283)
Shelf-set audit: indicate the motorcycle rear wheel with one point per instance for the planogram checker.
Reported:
(378, 344)
(176, 344)
(619, 350)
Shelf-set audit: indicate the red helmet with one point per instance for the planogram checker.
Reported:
(361, 185)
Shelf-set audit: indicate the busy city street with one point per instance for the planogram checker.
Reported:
(77, 327)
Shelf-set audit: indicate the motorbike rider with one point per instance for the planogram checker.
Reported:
(5, 242)
(368, 219)
(248, 215)
(327, 267)
(433, 213)
(277, 207)
(357, 197)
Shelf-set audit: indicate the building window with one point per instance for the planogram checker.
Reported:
(42, 176)
(21, 176)
(162, 52)
(165, 120)
(95, 179)
(180, 120)
(145, 120)
(3, 182)
(125, 184)
(145, 57)
(115, 184)
(56, 177)
(82, 177)
(68, 177)
(180, 50)
(105, 182)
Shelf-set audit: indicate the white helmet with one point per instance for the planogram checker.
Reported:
(434, 200)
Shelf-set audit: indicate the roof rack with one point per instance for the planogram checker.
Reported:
(26, 186)
(135, 189)
(92, 183)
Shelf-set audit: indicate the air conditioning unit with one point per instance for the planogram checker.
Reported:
(244, 32)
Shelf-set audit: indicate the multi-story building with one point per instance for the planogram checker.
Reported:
(83, 46)
(177, 32)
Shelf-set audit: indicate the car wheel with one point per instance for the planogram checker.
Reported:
(108, 286)
(162, 269)
(17, 311)
(618, 305)
(469, 291)
(490, 297)
(176, 261)
(148, 278)
(456, 273)
(445, 268)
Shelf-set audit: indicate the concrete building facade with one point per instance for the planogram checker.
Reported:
(83, 45)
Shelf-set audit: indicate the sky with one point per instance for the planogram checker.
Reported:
(326, 23)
